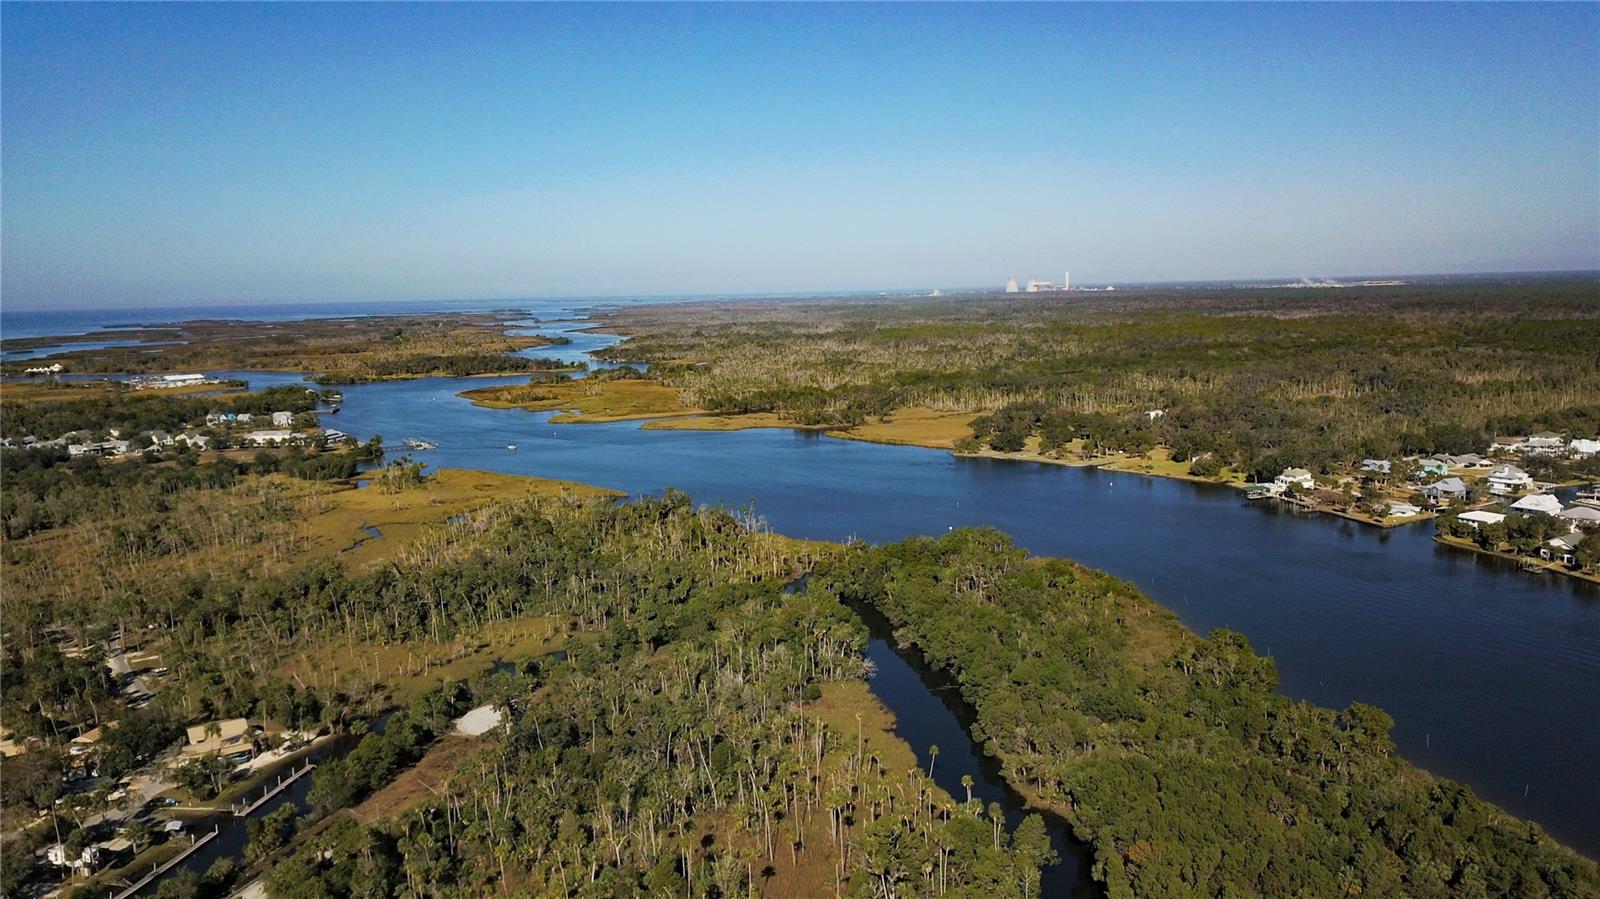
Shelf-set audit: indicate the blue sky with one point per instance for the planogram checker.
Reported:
(176, 153)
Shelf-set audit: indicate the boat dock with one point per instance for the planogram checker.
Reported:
(243, 809)
(166, 866)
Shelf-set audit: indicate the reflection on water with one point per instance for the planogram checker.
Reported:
(1489, 672)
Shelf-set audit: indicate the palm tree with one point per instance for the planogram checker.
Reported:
(966, 781)
(933, 754)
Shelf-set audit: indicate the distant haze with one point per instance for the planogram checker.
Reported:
(161, 154)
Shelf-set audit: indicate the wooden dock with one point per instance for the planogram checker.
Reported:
(166, 866)
(244, 809)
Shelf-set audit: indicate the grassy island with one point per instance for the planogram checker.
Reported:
(331, 350)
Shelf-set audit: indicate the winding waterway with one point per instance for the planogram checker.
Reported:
(1489, 672)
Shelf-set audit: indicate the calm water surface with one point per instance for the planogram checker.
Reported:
(1489, 672)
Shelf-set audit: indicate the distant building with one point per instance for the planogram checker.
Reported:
(1035, 285)
(282, 419)
(267, 438)
(1011, 285)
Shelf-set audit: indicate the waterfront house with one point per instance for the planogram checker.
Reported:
(1508, 479)
(1561, 549)
(1434, 466)
(1583, 448)
(332, 437)
(1477, 518)
(268, 438)
(1537, 504)
(1294, 477)
(1403, 510)
(222, 737)
(1580, 516)
(1443, 492)
(282, 419)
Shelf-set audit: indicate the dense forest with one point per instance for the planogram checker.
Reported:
(689, 726)
(1253, 379)
(1172, 755)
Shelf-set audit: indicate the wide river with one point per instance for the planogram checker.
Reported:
(1490, 673)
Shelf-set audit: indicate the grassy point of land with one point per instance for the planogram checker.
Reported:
(42, 391)
(400, 517)
(586, 400)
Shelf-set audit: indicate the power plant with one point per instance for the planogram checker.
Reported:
(1034, 285)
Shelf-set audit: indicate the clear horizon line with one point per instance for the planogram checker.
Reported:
(802, 294)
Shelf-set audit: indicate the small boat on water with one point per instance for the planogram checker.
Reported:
(512, 447)
(334, 409)
(417, 443)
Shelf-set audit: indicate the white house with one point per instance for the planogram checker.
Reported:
(1544, 443)
(1403, 510)
(160, 438)
(1584, 448)
(1537, 504)
(198, 441)
(1508, 479)
(268, 438)
(282, 419)
(1478, 518)
(1294, 477)
(1507, 444)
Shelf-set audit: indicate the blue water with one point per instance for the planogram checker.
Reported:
(1489, 672)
